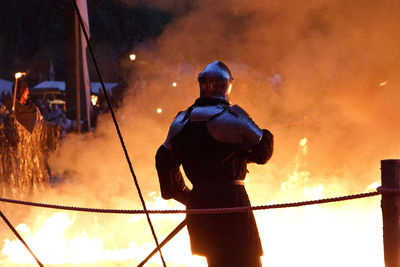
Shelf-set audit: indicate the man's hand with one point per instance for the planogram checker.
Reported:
(183, 197)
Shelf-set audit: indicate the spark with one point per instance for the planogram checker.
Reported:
(174, 84)
(159, 110)
(383, 83)
(303, 141)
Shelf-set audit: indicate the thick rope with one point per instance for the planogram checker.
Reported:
(118, 131)
(20, 238)
(195, 211)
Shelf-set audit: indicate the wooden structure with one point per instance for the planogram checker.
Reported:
(390, 204)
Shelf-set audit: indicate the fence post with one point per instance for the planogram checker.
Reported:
(390, 204)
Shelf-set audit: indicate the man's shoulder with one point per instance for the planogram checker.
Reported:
(177, 125)
(238, 111)
(205, 113)
(235, 126)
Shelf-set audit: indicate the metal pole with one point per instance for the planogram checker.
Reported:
(165, 241)
(120, 135)
(15, 95)
(20, 238)
(390, 204)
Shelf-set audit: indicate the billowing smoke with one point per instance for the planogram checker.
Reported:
(338, 62)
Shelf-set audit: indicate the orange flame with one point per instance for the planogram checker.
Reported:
(308, 234)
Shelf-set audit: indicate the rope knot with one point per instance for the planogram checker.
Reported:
(392, 191)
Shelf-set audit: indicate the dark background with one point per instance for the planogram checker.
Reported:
(32, 35)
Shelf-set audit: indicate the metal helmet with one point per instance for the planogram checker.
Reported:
(215, 80)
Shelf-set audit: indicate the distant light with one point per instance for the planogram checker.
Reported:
(94, 99)
(159, 110)
(132, 57)
(383, 83)
(174, 84)
(19, 75)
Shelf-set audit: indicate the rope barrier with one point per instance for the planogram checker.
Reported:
(199, 211)
(118, 131)
(379, 191)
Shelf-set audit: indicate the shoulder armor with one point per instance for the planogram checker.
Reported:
(235, 126)
(205, 113)
(194, 113)
(239, 111)
(176, 126)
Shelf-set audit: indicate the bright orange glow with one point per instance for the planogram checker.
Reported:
(24, 96)
(159, 110)
(132, 57)
(61, 240)
(174, 84)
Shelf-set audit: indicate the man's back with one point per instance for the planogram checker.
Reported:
(214, 141)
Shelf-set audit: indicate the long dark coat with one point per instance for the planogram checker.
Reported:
(212, 166)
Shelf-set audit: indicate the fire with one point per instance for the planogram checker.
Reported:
(337, 234)
(54, 247)
(299, 175)
(19, 75)
(53, 243)
(307, 236)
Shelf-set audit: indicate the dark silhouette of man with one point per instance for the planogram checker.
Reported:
(214, 141)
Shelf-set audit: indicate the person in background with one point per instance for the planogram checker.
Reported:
(66, 125)
(55, 114)
(27, 141)
(214, 141)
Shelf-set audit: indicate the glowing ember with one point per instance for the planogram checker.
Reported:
(174, 84)
(383, 83)
(159, 110)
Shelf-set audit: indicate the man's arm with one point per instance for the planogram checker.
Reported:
(170, 177)
(260, 141)
(262, 152)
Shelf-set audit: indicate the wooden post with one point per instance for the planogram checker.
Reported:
(390, 204)
(77, 73)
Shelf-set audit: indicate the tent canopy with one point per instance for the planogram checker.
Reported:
(60, 86)
(5, 86)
